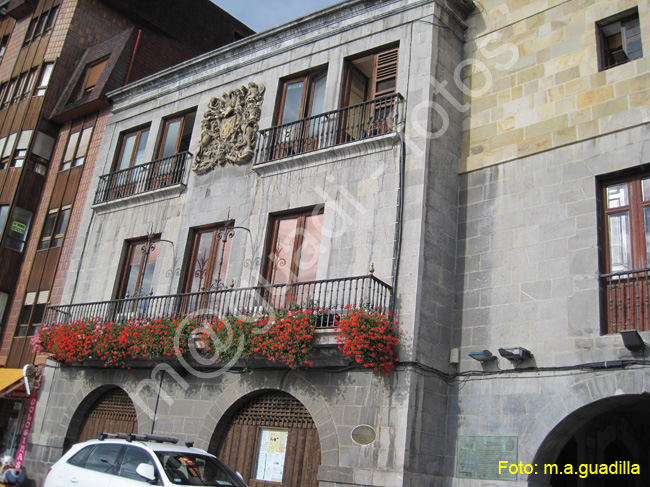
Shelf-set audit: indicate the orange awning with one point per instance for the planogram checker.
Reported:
(9, 377)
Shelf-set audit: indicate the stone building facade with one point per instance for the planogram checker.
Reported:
(502, 206)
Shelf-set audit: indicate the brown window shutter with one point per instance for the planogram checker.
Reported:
(386, 72)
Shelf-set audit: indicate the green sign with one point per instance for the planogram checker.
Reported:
(18, 227)
(486, 457)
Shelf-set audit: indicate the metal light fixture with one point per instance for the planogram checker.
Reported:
(632, 340)
(482, 356)
(515, 353)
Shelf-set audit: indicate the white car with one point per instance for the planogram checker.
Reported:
(120, 460)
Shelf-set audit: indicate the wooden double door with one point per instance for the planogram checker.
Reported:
(272, 441)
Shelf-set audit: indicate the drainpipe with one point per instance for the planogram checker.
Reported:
(135, 49)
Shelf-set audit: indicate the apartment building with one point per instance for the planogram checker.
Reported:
(58, 61)
(477, 169)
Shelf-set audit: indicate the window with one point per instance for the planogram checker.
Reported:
(294, 251)
(32, 313)
(93, 72)
(19, 158)
(368, 77)
(54, 228)
(132, 149)
(31, 79)
(177, 133)
(210, 251)
(174, 144)
(51, 18)
(3, 45)
(103, 458)
(9, 93)
(619, 39)
(20, 87)
(301, 97)
(16, 234)
(44, 79)
(4, 212)
(41, 25)
(137, 274)
(626, 259)
(133, 457)
(75, 151)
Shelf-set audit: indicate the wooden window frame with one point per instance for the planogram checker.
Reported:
(635, 208)
(130, 248)
(213, 258)
(309, 81)
(274, 226)
(300, 135)
(123, 138)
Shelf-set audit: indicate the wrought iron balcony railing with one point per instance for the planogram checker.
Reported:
(349, 124)
(327, 298)
(627, 300)
(143, 178)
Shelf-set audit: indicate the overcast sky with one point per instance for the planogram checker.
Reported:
(261, 15)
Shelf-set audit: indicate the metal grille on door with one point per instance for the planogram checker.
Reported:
(113, 412)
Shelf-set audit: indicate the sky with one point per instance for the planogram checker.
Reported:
(261, 15)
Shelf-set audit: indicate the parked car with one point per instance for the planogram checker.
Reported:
(120, 460)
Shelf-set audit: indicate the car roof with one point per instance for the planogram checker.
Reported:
(151, 445)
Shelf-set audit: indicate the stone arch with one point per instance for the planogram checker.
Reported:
(92, 400)
(574, 406)
(239, 392)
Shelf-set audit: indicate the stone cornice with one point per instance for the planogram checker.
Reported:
(254, 49)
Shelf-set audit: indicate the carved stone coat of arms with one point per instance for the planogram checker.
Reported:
(229, 128)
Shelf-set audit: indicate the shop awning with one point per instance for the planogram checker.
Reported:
(9, 377)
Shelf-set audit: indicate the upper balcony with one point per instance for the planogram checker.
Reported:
(373, 118)
(142, 178)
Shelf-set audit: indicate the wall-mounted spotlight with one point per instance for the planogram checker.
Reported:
(632, 340)
(482, 356)
(515, 353)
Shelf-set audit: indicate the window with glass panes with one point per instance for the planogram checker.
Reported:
(626, 253)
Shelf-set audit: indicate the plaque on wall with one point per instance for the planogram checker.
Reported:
(479, 457)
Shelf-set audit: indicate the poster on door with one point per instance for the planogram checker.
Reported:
(271, 454)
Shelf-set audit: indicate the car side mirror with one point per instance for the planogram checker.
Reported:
(146, 471)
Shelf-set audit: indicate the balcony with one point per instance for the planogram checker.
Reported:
(143, 178)
(327, 298)
(627, 300)
(350, 124)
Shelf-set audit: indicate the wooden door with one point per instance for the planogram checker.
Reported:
(276, 413)
(113, 412)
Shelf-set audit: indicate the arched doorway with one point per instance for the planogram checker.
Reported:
(272, 441)
(112, 412)
(611, 434)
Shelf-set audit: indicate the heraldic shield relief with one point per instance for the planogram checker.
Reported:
(229, 128)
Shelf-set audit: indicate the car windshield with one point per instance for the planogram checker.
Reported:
(195, 469)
